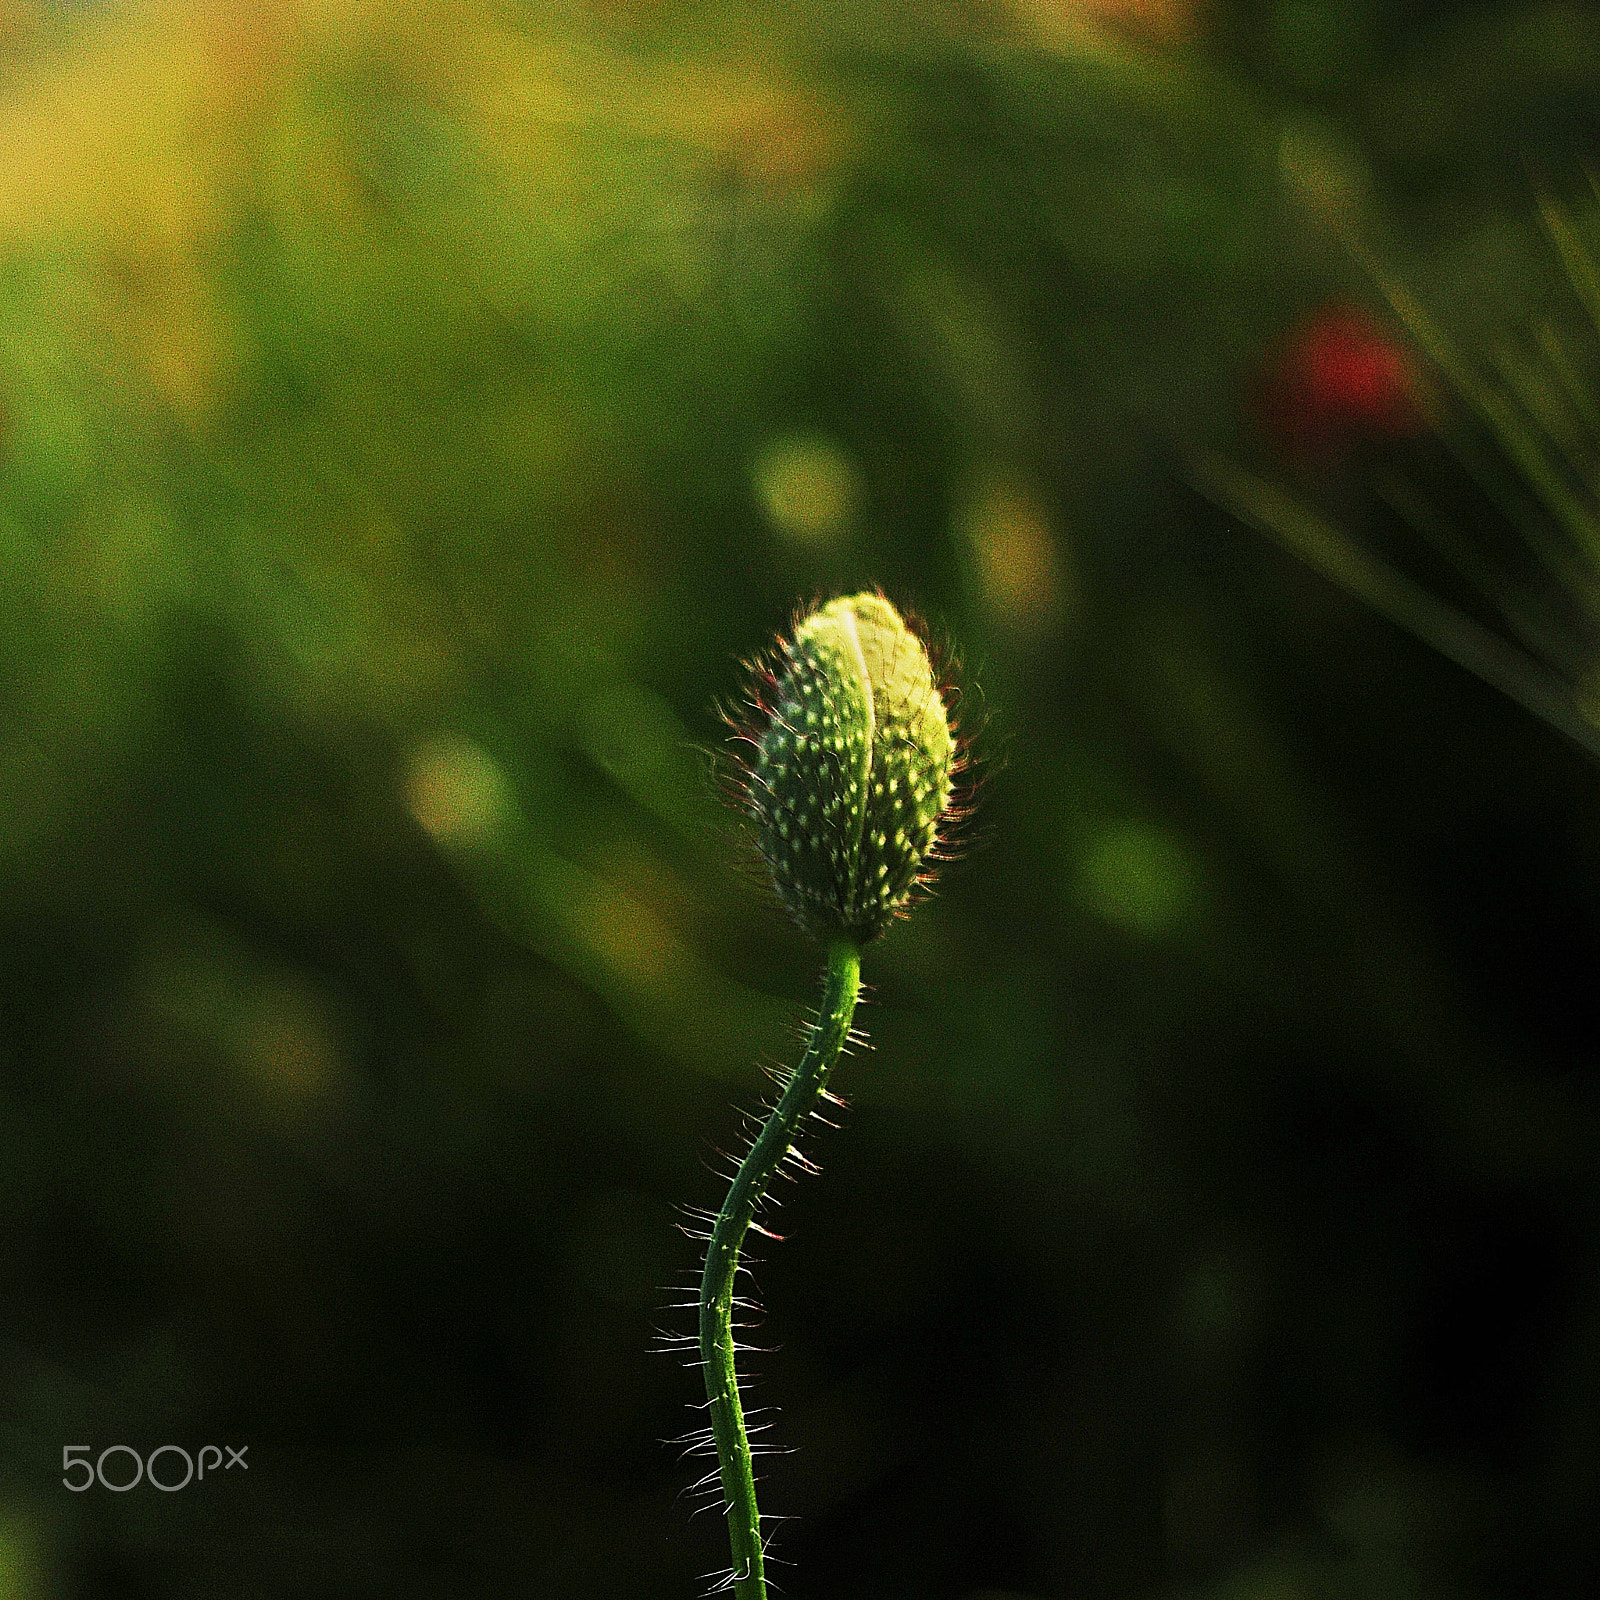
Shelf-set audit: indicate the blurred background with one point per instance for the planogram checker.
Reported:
(410, 413)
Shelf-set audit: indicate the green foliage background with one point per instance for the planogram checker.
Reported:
(409, 414)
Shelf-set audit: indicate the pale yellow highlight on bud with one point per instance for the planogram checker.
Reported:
(809, 488)
(455, 791)
(1021, 574)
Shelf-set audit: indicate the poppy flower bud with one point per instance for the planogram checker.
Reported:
(852, 768)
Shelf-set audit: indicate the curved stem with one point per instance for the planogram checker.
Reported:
(841, 985)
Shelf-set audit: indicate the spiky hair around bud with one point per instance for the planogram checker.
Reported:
(851, 769)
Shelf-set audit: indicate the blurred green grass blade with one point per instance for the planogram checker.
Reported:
(1393, 595)
(1579, 394)
(1516, 607)
(1515, 438)
(1575, 260)
(1544, 403)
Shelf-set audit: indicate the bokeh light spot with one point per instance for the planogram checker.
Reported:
(1139, 877)
(286, 1045)
(1323, 169)
(809, 488)
(1016, 557)
(455, 790)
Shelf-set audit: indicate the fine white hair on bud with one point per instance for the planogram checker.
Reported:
(852, 767)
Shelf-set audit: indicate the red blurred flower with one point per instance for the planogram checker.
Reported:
(1337, 379)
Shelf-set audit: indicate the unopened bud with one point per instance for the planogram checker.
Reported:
(852, 768)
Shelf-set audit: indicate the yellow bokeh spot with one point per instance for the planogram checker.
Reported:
(1323, 169)
(1138, 876)
(1016, 559)
(809, 489)
(455, 790)
(285, 1043)
(631, 940)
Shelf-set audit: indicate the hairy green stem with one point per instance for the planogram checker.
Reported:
(841, 985)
